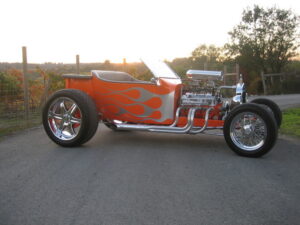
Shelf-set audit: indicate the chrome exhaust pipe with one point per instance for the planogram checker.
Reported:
(176, 117)
(197, 131)
(178, 130)
(188, 128)
(167, 129)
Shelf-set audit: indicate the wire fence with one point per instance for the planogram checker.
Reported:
(14, 113)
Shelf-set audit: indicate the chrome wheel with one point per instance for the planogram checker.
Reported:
(64, 118)
(248, 131)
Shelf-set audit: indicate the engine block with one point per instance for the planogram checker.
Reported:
(195, 99)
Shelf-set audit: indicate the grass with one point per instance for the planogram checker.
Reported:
(11, 125)
(291, 122)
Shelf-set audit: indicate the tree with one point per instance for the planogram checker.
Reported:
(207, 53)
(265, 39)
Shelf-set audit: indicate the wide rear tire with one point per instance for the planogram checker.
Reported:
(272, 106)
(70, 117)
(250, 130)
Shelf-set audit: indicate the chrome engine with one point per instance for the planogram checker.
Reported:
(200, 89)
(194, 99)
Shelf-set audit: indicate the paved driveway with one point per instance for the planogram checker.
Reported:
(146, 178)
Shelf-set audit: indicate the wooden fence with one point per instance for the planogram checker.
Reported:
(268, 79)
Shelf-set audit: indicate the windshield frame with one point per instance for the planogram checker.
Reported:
(160, 69)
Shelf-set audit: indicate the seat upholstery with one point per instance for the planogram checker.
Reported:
(115, 76)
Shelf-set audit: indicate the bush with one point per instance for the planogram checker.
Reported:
(255, 86)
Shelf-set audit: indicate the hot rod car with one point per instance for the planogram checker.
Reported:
(165, 104)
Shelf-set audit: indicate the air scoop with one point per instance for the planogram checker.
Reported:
(204, 74)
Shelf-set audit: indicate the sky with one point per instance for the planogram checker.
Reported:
(57, 30)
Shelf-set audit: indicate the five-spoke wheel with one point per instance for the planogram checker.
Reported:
(70, 117)
(64, 118)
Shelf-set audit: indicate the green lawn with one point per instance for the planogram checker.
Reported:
(291, 122)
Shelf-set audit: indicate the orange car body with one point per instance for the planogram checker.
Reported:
(139, 102)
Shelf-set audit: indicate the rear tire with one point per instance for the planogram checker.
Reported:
(250, 130)
(274, 108)
(70, 117)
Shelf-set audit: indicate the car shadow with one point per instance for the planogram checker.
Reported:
(138, 140)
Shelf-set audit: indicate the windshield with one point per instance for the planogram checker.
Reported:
(159, 68)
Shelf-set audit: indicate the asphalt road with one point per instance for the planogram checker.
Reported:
(284, 101)
(146, 178)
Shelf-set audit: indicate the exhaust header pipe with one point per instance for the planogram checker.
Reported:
(188, 128)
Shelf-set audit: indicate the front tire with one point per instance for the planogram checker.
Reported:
(250, 130)
(70, 117)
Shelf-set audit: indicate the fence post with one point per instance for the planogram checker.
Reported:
(272, 81)
(25, 83)
(224, 74)
(205, 66)
(263, 82)
(77, 65)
